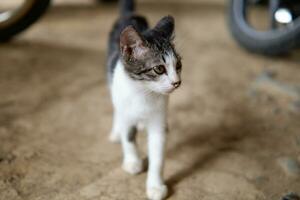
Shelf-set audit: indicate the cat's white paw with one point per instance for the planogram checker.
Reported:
(133, 167)
(114, 138)
(157, 193)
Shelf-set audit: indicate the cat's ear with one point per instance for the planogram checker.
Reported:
(132, 44)
(166, 27)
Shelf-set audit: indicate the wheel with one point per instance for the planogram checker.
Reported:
(16, 19)
(277, 39)
(106, 1)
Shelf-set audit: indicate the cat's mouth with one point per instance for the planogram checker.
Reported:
(169, 91)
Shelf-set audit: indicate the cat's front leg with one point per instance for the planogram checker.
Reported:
(115, 134)
(131, 161)
(156, 189)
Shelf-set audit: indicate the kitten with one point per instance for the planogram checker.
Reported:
(143, 69)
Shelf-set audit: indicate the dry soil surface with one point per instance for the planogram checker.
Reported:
(234, 123)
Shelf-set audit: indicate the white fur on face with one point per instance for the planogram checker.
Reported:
(164, 84)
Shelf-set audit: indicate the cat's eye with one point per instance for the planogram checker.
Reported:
(178, 66)
(159, 69)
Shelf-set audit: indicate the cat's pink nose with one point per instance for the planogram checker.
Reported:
(176, 84)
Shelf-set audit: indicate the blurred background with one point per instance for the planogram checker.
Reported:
(234, 123)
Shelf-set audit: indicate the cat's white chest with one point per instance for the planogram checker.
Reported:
(133, 101)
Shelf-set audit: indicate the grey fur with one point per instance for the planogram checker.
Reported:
(157, 41)
(132, 134)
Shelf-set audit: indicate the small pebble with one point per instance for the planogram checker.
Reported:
(7, 158)
(261, 179)
(268, 74)
(297, 140)
(291, 196)
(295, 106)
(290, 166)
(276, 111)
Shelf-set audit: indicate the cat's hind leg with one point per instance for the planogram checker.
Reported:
(131, 161)
(115, 134)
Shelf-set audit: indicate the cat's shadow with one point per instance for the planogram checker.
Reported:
(218, 141)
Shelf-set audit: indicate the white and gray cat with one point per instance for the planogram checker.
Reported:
(143, 69)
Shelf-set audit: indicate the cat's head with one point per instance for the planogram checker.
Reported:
(150, 57)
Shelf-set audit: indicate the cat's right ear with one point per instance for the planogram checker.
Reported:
(165, 27)
(131, 43)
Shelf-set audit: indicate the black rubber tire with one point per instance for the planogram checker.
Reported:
(36, 10)
(106, 1)
(273, 42)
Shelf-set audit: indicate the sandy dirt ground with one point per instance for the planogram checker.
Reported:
(234, 123)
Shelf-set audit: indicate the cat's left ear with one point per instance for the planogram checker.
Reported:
(166, 27)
